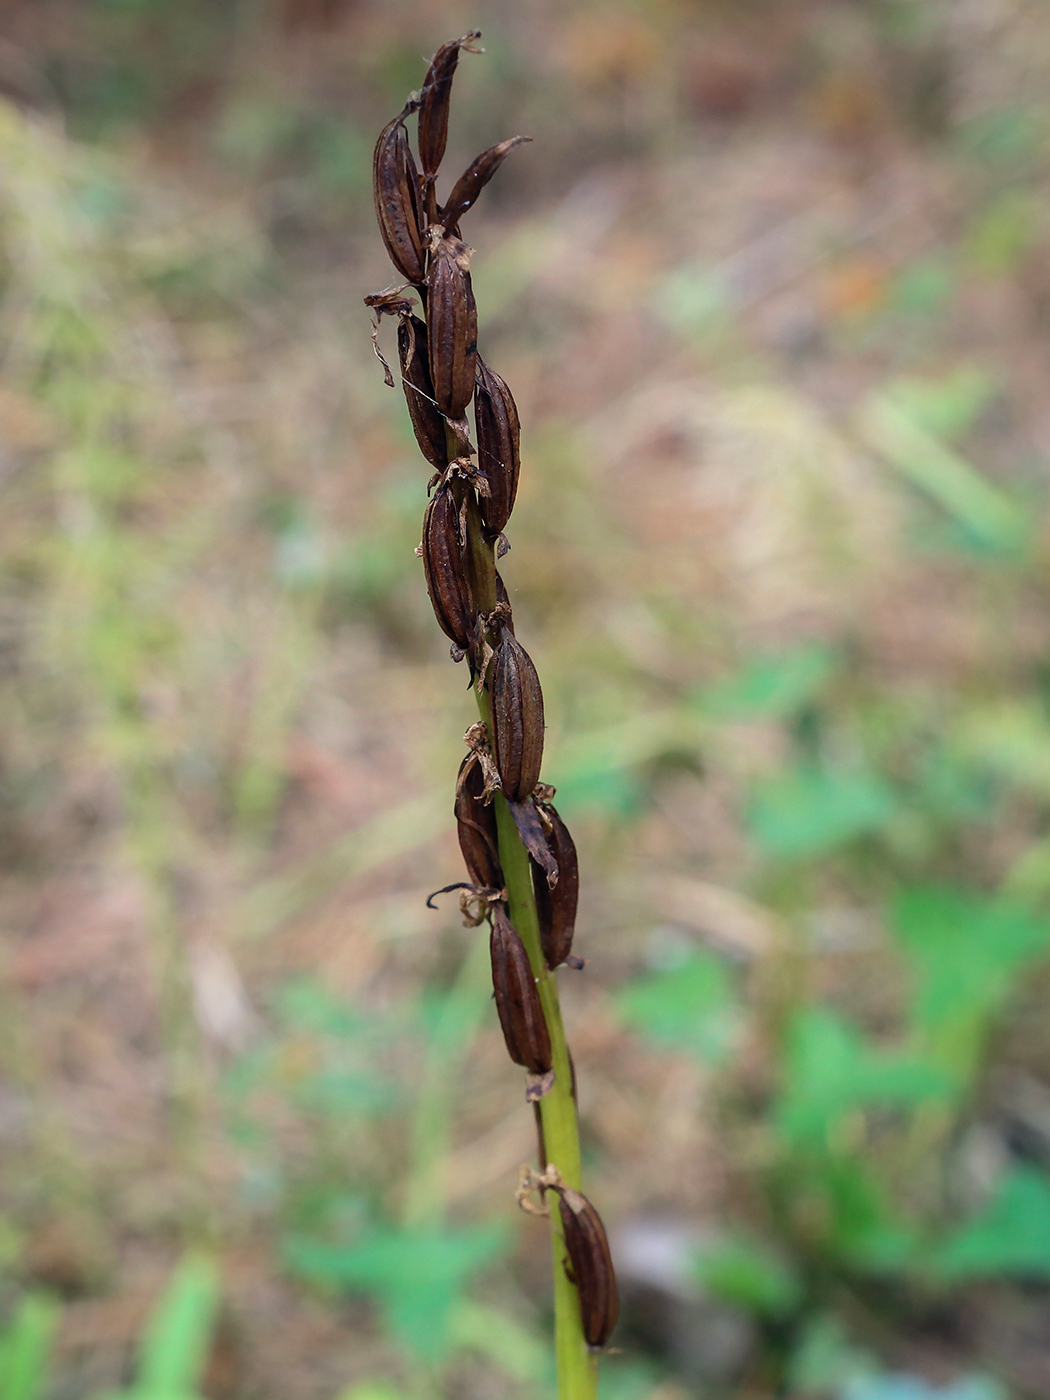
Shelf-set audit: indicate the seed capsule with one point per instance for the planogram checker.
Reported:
(445, 563)
(452, 326)
(556, 908)
(517, 1000)
(517, 719)
(474, 179)
(498, 452)
(476, 823)
(395, 184)
(427, 423)
(591, 1263)
(434, 100)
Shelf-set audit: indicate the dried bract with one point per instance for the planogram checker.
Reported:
(556, 908)
(517, 719)
(476, 823)
(517, 1000)
(452, 326)
(395, 184)
(591, 1264)
(434, 100)
(427, 422)
(474, 179)
(445, 562)
(499, 455)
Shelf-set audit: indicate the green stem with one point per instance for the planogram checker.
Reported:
(577, 1366)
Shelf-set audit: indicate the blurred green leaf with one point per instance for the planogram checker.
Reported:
(517, 1352)
(373, 1390)
(1004, 231)
(174, 1348)
(963, 949)
(923, 287)
(948, 405)
(417, 1275)
(25, 1349)
(771, 687)
(749, 1275)
(692, 1008)
(825, 1360)
(1011, 1236)
(809, 811)
(829, 1070)
(991, 516)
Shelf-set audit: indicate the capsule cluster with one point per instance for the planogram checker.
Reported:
(471, 497)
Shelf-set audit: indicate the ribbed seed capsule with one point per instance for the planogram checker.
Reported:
(445, 563)
(591, 1263)
(434, 100)
(452, 326)
(499, 456)
(427, 423)
(395, 184)
(556, 908)
(476, 824)
(517, 1000)
(517, 719)
(474, 179)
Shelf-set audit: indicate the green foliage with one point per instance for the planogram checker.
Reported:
(1010, 1237)
(173, 1349)
(25, 1349)
(693, 1006)
(772, 686)
(746, 1273)
(417, 1275)
(964, 952)
(829, 1070)
(807, 811)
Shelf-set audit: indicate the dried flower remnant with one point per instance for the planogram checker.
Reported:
(452, 324)
(428, 424)
(434, 101)
(517, 1000)
(474, 179)
(556, 908)
(591, 1265)
(476, 826)
(517, 719)
(445, 565)
(397, 197)
(499, 453)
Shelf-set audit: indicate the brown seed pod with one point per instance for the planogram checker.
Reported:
(452, 326)
(556, 908)
(427, 422)
(499, 457)
(474, 179)
(434, 100)
(517, 1000)
(591, 1264)
(517, 719)
(476, 823)
(395, 184)
(445, 563)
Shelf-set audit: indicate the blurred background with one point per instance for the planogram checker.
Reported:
(771, 287)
